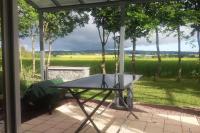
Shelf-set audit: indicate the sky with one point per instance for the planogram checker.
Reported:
(87, 38)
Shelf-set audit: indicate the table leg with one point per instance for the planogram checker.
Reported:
(88, 116)
(128, 108)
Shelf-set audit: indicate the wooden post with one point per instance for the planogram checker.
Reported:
(122, 38)
(119, 95)
(11, 83)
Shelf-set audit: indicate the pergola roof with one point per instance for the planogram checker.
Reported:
(54, 5)
(50, 5)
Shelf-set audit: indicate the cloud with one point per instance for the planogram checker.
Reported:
(87, 38)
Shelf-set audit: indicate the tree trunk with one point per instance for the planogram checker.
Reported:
(198, 39)
(158, 71)
(49, 54)
(33, 54)
(179, 55)
(103, 64)
(116, 54)
(133, 56)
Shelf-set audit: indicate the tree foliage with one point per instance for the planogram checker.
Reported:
(193, 10)
(138, 23)
(107, 20)
(177, 15)
(193, 7)
(107, 17)
(60, 24)
(28, 19)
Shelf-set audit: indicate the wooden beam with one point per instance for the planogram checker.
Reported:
(69, 7)
(56, 2)
(81, 2)
(11, 77)
(32, 4)
(89, 5)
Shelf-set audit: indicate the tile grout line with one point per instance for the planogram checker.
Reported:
(164, 126)
(147, 122)
(181, 123)
(165, 119)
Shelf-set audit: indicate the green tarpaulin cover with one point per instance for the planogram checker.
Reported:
(42, 94)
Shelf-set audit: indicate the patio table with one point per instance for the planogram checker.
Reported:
(106, 84)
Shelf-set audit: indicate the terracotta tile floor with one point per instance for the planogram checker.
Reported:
(66, 119)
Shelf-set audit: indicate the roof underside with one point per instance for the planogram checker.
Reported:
(52, 5)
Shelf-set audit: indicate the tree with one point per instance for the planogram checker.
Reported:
(28, 26)
(60, 24)
(107, 21)
(177, 17)
(193, 7)
(114, 28)
(158, 13)
(137, 25)
(154, 13)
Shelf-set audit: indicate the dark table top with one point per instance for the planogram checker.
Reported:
(101, 82)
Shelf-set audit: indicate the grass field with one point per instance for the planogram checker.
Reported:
(166, 91)
(144, 66)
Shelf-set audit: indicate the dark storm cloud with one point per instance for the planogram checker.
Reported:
(87, 38)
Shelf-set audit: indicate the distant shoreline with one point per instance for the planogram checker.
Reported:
(138, 52)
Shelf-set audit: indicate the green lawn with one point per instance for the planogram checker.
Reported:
(168, 92)
(165, 92)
